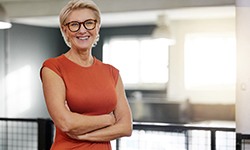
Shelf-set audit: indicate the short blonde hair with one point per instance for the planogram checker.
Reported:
(78, 4)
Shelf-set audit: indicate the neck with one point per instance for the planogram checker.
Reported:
(83, 58)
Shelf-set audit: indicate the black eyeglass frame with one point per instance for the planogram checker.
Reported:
(81, 23)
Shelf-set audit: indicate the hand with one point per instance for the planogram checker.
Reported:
(109, 118)
(84, 137)
(112, 118)
(67, 106)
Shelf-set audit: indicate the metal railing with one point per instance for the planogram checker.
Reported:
(151, 136)
(28, 134)
(242, 141)
(38, 134)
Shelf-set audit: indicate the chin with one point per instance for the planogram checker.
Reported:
(85, 48)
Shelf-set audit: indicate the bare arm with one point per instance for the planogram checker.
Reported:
(122, 126)
(67, 121)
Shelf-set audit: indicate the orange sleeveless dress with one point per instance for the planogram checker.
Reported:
(89, 91)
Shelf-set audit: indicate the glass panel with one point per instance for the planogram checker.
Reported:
(210, 61)
(143, 62)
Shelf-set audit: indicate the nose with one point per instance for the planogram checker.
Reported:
(82, 28)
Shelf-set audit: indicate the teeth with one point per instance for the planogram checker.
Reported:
(83, 38)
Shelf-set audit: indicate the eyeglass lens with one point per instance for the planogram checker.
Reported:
(75, 25)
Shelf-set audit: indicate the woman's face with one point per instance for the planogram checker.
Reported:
(82, 39)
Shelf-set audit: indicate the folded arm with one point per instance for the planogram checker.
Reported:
(69, 122)
(123, 125)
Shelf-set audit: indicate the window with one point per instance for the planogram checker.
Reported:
(142, 61)
(18, 90)
(210, 61)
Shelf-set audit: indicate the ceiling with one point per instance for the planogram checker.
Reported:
(120, 12)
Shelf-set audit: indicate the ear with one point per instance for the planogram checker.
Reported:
(64, 28)
(65, 31)
(98, 29)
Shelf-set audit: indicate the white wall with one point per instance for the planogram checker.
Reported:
(243, 72)
(2, 104)
(21, 93)
(176, 89)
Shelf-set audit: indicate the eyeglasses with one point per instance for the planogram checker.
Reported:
(74, 26)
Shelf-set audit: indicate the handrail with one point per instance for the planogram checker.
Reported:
(45, 129)
(181, 127)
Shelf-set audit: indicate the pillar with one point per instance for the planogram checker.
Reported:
(243, 70)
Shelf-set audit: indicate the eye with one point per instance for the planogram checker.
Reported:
(74, 24)
(90, 22)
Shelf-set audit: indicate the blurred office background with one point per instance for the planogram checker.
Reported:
(184, 74)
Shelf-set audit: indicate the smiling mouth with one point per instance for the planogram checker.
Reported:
(83, 38)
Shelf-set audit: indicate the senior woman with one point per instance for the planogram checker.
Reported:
(84, 97)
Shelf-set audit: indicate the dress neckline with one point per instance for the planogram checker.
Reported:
(66, 58)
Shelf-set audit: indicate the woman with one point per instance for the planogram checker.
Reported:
(85, 97)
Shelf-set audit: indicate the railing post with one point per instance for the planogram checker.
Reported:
(213, 140)
(238, 141)
(45, 134)
(117, 144)
(186, 132)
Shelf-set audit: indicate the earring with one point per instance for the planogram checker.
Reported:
(96, 40)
